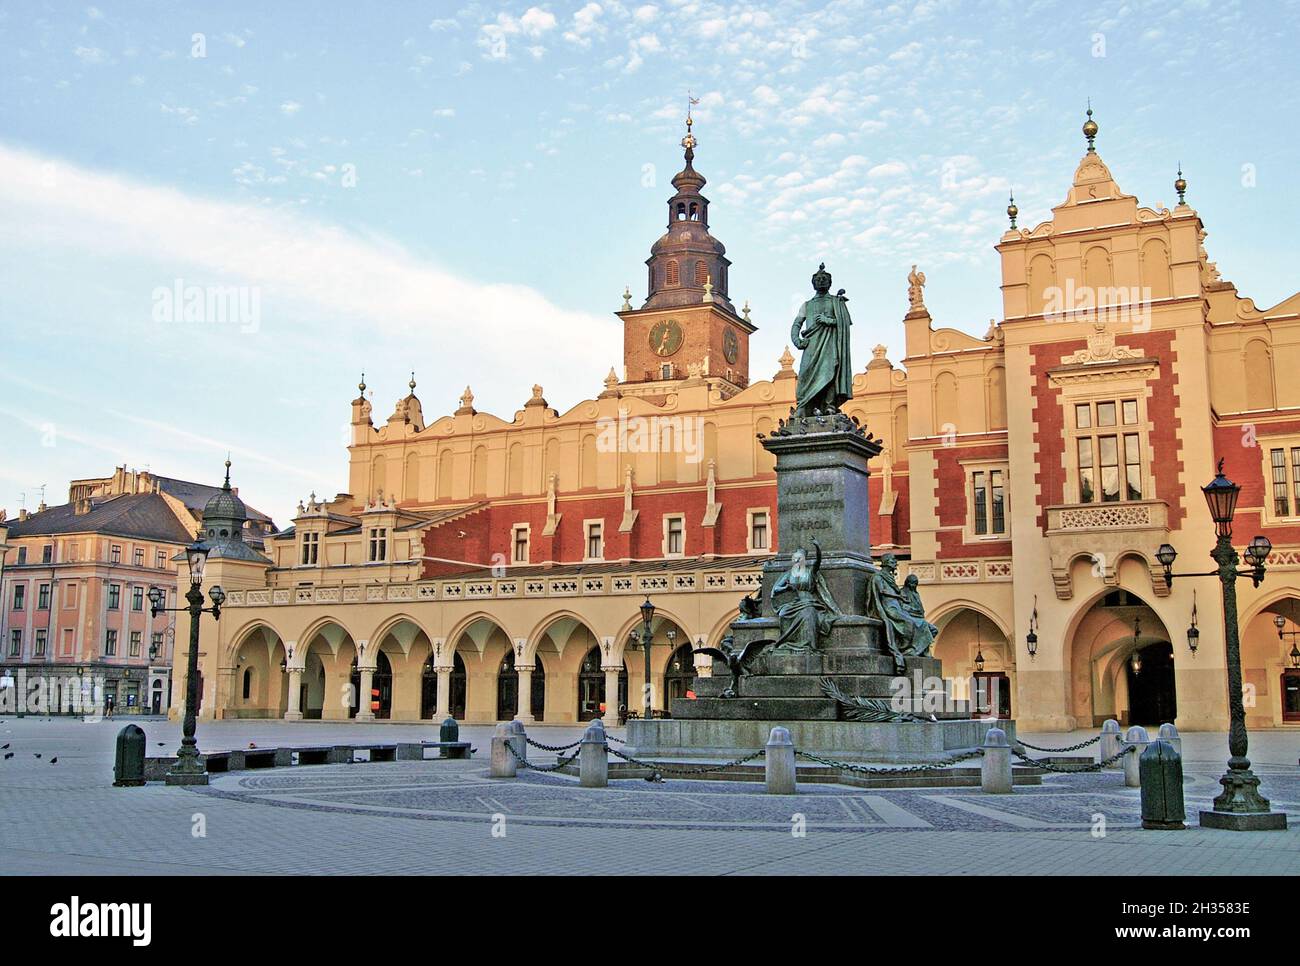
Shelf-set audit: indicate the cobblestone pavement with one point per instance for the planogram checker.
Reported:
(62, 815)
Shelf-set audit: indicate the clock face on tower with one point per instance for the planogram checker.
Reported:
(730, 347)
(665, 337)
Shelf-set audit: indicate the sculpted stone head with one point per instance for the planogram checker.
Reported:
(890, 563)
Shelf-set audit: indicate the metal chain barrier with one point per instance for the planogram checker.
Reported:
(889, 769)
(1082, 744)
(560, 762)
(1095, 766)
(538, 744)
(658, 768)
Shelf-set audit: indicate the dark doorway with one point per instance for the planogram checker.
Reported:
(992, 694)
(429, 689)
(508, 689)
(1291, 694)
(380, 698)
(591, 687)
(1151, 696)
(679, 675)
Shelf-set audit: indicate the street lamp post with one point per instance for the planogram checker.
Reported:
(188, 769)
(1239, 806)
(647, 615)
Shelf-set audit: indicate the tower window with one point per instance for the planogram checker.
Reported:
(701, 272)
(672, 273)
(695, 212)
(681, 211)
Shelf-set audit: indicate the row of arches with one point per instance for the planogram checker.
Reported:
(949, 413)
(568, 674)
(1097, 273)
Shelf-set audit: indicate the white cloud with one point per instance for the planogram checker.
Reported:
(645, 13)
(314, 275)
(290, 108)
(586, 24)
(90, 55)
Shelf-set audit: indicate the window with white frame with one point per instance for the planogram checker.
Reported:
(110, 643)
(760, 537)
(988, 501)
(595, 539)
(674, 535)
(135, 644)
(1281, 457)
(160, 560)
(115, 553)
(38, 646)
(1108, 450)
(138, 556)
(310, 549)
(378, 549)
(519, 543)
(15, 642)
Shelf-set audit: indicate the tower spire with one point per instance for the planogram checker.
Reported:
(1090, 129)
(689, 142)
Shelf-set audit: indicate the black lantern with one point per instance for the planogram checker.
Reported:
(1295, 656)
(1031, 639)
(1137, 653)
(979, 647)
(1166, 554)
(647, 611)
(196, 555)
(1221, 496)
(1193, 632)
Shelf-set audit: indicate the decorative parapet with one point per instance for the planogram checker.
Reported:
(974, 570)
(488, 588)
(1106, 533)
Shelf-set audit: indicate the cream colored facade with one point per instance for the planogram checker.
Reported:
(992, 490)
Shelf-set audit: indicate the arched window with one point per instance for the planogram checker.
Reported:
(997, 397)
(248, 683)
(701, 272)
(1155, 269)
(478, 471)
(411, 485)
(588, 462)
(672, 273)
(446, 462)
(1259, 375)
(515, 468)
(1042, 283)
(945, 404)
(681, 211)
(695, 212)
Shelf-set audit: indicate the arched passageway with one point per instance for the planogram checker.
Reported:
(591, 687)
(1117, 640)
(508, 689)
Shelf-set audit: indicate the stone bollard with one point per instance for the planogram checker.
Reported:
(518, 738)
(995, 768)
(128, 766)
(1109, 746)
(778, 769)
(1137, 738)
(1170, 734)
(503, 763)
(593, 757)
(1162, 786)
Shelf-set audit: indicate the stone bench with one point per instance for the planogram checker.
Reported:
(450, 749)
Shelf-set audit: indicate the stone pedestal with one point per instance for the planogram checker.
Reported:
(842, 697)
(821, 494)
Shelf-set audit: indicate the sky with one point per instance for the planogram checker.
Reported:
(463, 189)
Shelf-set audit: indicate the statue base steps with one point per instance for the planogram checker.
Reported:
(890, 742)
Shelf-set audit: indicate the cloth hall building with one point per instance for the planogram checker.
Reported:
(490, 566)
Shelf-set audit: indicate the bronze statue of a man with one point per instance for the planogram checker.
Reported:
(821, 332)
